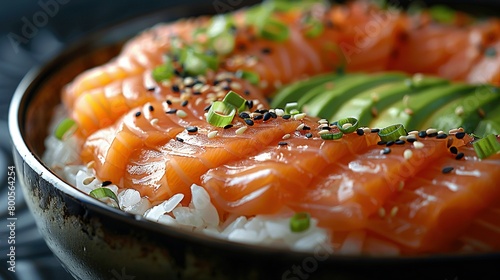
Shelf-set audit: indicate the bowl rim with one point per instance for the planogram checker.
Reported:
(35, 78)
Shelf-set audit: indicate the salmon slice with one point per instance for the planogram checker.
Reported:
(483, 232)
(283, 171)
(184, 160)
(435, 206)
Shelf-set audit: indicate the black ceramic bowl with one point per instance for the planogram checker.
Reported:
(95, 241)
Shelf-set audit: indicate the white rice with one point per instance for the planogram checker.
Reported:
(199, 216)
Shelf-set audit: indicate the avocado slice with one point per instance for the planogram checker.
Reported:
(490, 124)
(294, 91)
(465, 112)
(326, 87)
(364, 105)
(325, 105)
(419, 106)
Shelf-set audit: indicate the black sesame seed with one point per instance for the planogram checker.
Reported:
(386, 151)
(360, 132)
(434, 134)
(178, 73)
(374, 130)
(459, 156)
(151, 108)
(261, 111)
(246, 92)
(390, 143)
(249, 104)
(422, 134)
(216, 82)
(267, 116)
(266, 50)
(258, 117)
(196, 92)
(441, 136)
(309, 135)
(411, 140)
(226, 88)
(191, 129)
(138, 114)
(175, 88)
(151, 89)
(184, 103)
(453, 150)
(399, 142)
(168, 102)
(244, 115)
(286, 117)
(171, 111)
(227, 126)
(207, 108)
(179, 139)
(273, 115)
(460, 135)
(380, 143)
(106, 183)
(447, 169)
(282, 143)
(306, 127)
(249, 122)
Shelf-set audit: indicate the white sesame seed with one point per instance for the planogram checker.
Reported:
(241, 130)
(300, 116)
(300, 126)
(212, 134)
(394, 211)
(413, 132)
(346, 125)
(235, 85)
(204, 88)
(323, 121)
(90, 165)
(440, 132)
(407, 154)
(154, 121)
(197, 87)
(403, 138)
(381, 212)
(431, 131)
(411, 137)
(188, 81)
(367, 130)
(418, 145)
(321, 132)
(181, 113)
(88, 180)
(286, 136)
(198, 101)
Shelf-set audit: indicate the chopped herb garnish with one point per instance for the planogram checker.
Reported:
(300, 222)
(487, 146)
(65, 128)
(392, 132)
(101, 193)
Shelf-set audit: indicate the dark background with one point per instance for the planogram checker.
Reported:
(66, 21)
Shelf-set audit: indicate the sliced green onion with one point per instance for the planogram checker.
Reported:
(332, 136)
(300, 222)
(442, 14)
(392, 132)
(250, 76)
(348, 129)
(196, 63)
(163, 72)
(487, 146)
(274, 30)
(100, 193)
(65, 128)
(221, 114)
(236, 100)
(313, 27)
(223, 44)
(220, 24)
(292, 108)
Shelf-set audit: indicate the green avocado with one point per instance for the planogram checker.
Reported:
(421, 105)
(326, 104)
(467, 111)
(365, 105)
(294, 91)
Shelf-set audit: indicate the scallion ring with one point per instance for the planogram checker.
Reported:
(300, 222)
(236, 100)
(250, 76)
(348, 125)
(486, 146)
(65, 128)
(274, 30)
(221, 114)
(163, 72)
(332, 136)
(101, 193)
(392, 132)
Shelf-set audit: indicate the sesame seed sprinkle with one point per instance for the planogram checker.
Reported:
(171, 111)
(179, 139)
(249, 122)
(227, 126)
(151, 108)
(418, 145)
(300, 116)
(300, 126)
(138, 114)
(407, 154)
(181, 113)
(385, 151)
(241, 130)
(459, 156)
(282, 143)
(309, 135)
(106, 183)
(460, 135)
(192, 129)
(447, 169)
(212, 134)
(454, 150)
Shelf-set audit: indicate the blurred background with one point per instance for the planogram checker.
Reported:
(31, 33)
